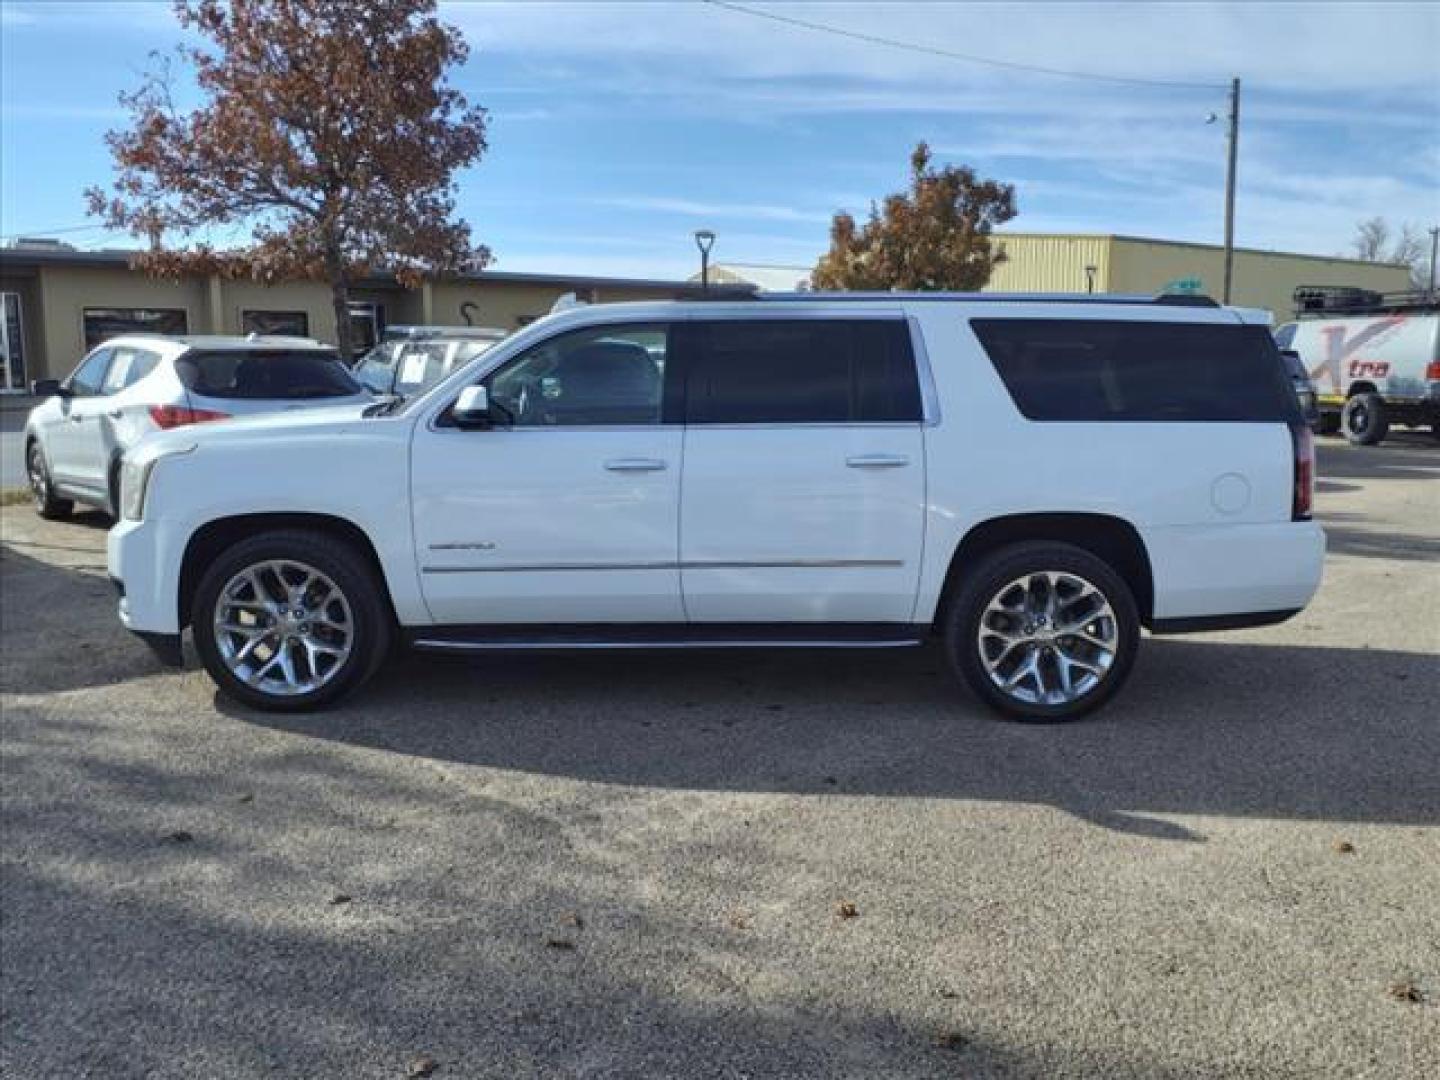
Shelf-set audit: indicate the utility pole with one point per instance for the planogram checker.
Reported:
(1434, 244)
(1230, 187)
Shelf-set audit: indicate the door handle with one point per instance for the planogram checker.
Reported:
(116, 414)
(76, 418)
(877, 461)
(634, 464)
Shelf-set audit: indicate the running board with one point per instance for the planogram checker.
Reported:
(667, 636)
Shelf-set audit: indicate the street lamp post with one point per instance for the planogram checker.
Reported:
(1230, 186)
(704, 240)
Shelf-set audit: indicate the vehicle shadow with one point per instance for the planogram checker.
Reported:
(1372, 543)
(58, 627)
(1205, 728)
(1409, 458)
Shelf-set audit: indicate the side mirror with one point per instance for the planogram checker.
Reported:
(45, 388)
(472, 408)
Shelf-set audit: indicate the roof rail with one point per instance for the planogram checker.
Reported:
(1322, 301)
(1167, 299)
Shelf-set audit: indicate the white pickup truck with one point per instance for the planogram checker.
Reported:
(1027, 480)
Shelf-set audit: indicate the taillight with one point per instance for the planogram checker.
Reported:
(1303, 502)
(1432, 371)
(173, 416)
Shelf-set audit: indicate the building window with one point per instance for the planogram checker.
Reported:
(102, 324)
(12, 344)
(280, 323)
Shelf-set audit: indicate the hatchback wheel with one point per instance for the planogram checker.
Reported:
(1043, 631)
(42, 492)
(290, 620)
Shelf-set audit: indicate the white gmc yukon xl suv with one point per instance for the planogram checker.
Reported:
(1032, 480)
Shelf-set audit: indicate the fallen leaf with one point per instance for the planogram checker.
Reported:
(740, 920)
(180, 836)
(422, 1066)
(950, 1039)
(338, 899)
(1406, 990)
(559, 943)
(1344, 847)
(573, 918)
(247, 797)
(846, 910)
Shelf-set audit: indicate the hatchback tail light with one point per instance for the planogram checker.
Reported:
(1432, 371)
(173, 416)
(1303, 502)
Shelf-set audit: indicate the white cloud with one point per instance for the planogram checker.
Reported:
(1335, 45)
(695, 209)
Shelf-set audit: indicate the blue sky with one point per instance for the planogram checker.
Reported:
(617, 129)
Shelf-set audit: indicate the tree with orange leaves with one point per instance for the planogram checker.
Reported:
(938, 236)
(327, 127)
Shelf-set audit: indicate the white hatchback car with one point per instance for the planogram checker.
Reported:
(1030, 481)
(129, 387)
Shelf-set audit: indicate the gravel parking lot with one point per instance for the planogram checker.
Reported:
(829, 865)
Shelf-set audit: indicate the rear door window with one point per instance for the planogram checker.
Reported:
(1090, 369)
(801, 371)
(273, 374)
(127, 367)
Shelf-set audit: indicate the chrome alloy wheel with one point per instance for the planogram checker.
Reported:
(1048, 638)
(39, 480)
(283, 627)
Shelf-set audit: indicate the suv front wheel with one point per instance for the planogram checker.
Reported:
(1043, 631)
(290, 620)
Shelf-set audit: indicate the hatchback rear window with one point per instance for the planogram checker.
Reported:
(279, 374)
(1090, 369)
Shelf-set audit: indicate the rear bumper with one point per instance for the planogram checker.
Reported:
(1262, 572)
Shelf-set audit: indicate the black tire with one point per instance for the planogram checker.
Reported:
(42, 491)
(360, 589)
(992, 580)
(1364, 420)
(113, 487)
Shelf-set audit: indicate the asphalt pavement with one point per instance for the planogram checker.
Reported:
(737, 865)
(12, 435)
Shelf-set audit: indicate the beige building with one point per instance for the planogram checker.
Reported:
(58, 302)
(1058, 262)
(1081, 262)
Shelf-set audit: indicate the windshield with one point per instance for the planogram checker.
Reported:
(376, 369)
(408, 368)
(275, 374)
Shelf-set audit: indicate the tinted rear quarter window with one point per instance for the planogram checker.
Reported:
(1090, 369)
(801, 371)
(277, 374)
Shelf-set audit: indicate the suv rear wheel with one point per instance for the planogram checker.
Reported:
(1364, 419)
(1043, 631)
(290, 620)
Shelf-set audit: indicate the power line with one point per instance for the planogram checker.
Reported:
(911, 46)
(56, 232)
